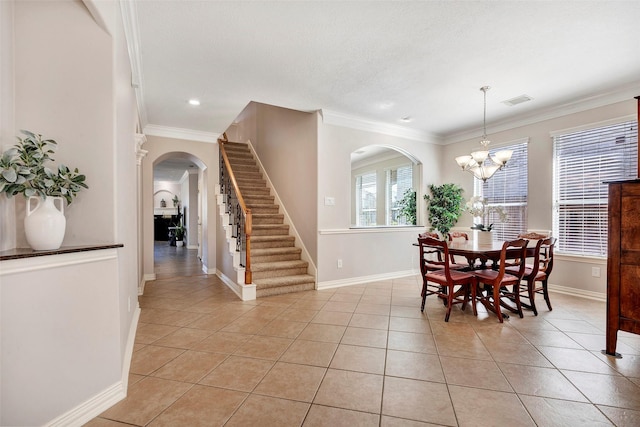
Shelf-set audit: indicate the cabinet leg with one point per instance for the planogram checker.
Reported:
(612, 341)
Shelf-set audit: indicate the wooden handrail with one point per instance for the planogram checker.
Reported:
(245, 211)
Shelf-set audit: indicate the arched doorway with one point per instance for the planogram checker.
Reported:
(201, 231)
(177, 207)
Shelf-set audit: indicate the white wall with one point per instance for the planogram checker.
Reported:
(64, 90)
(190, 201)
(60, 335)
(7, 130)
(571, 272)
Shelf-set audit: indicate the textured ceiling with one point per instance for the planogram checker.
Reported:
(382, 60)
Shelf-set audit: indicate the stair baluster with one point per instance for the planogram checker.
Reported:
(239, 214)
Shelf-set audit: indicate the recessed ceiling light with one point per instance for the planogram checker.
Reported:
(406, 119)
(194, 102)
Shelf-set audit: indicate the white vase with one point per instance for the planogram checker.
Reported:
(483, 237)
(44, 223)
(179, 243)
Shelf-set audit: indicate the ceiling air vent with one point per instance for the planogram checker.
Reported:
(517, 100)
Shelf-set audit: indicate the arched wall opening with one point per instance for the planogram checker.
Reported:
(204, 156)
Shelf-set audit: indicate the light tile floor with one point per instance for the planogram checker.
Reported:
(365, 355)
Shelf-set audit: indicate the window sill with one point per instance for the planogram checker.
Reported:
(361, 230)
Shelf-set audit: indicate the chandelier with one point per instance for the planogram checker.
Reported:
(480, 163)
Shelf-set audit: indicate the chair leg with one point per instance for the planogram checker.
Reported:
(546, 294)
(496, 302)
(449, 302)
(474, 294)
(516, 293)
(531, 288)
(423, 294)
(466, 296)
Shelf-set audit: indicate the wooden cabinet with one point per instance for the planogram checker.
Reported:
(623, 262)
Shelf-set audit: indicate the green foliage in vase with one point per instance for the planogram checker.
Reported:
(407, 206)
(445, 206)
(23, 170)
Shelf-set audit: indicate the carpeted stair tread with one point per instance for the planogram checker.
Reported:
(279, 290)
(267, 218)
(273, 282)
(278, 265)
(275, 251)
(269, 229)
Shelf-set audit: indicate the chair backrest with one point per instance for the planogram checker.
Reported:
(546, 254)
(429, 245)
(543, 255)
(515, 250)
(458, 235)
(532, 236)
(429, 234)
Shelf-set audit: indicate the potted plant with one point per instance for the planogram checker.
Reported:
(407, 206)
(444, 207)
(175, 201)
(23, 171)
(479, 207)
(180, 233)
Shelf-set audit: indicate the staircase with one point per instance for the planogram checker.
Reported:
(276, 263)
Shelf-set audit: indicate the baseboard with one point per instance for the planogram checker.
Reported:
(145, 278)
(597, 296)
(244, 292)
(364, 279)
(104, 400)
(128, 351)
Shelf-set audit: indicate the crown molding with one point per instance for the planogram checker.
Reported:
(623, 93)
(179, 133)
(129, 12)
(340, 119)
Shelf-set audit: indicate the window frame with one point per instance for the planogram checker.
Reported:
(594, 209)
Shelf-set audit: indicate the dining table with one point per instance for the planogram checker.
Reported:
(473, 251)
(478, 255)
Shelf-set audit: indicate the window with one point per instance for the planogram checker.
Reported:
(398, 182)
(379, 192)
(508, 189)
(583, 161)
(366, 195)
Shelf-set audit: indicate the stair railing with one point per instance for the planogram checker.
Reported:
(239, 215)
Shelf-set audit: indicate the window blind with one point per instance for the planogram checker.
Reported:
(583, 162)
(366, 192)
(508, 189)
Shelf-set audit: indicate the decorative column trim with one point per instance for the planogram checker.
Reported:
(140, 139)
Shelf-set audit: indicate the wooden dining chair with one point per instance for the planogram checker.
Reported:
(454, 265)
(499, 284)
(538, 271)
(443, 281)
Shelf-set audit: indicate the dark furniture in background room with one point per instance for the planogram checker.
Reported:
(161, 224)
(623, 261)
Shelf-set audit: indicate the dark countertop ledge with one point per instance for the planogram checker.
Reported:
(21, 253)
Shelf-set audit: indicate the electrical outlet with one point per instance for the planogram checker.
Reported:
(329, 201)
(595, 271)
(339, 263)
